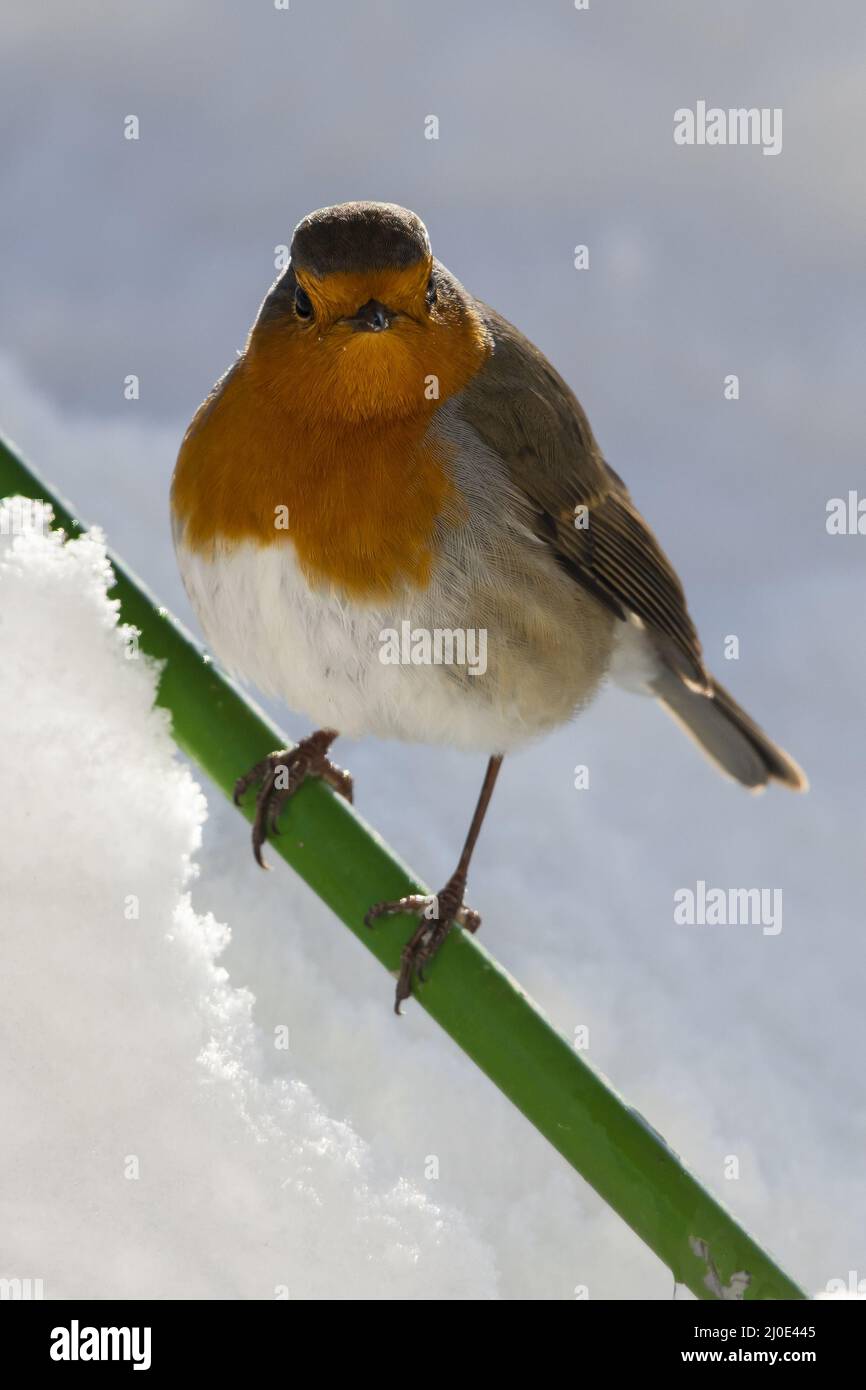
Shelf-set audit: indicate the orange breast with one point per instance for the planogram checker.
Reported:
(265, 461)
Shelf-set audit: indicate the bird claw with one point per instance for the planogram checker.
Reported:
(281, 774)
(439, 912)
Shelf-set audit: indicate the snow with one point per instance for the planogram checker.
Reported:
(149, 1149)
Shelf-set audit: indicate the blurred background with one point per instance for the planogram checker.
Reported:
(150, 257)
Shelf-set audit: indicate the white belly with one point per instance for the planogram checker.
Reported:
(323, 655)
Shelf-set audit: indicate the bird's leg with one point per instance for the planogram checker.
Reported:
(442, 911)
(281, 774)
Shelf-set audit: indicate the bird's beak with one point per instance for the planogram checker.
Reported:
(372, 317)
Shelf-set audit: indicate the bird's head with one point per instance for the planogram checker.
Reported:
(364, 324)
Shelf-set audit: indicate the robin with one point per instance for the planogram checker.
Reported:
(388, 484)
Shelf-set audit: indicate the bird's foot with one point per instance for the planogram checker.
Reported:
(280, 775)
(439, 912)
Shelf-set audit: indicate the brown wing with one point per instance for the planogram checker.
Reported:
(524, 411)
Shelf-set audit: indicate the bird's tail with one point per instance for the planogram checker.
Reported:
(727, 735)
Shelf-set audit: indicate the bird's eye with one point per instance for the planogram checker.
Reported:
(303, 304)
(431, 291)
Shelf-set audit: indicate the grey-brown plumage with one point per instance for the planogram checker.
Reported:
(523, 410)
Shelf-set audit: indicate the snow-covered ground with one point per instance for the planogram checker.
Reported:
(151, 1147)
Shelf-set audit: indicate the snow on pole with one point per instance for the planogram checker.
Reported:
(468, 994)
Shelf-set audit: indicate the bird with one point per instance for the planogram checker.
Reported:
(392, 513)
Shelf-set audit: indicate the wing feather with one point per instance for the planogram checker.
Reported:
(525, 412)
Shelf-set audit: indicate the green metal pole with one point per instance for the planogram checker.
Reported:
(468, 994)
